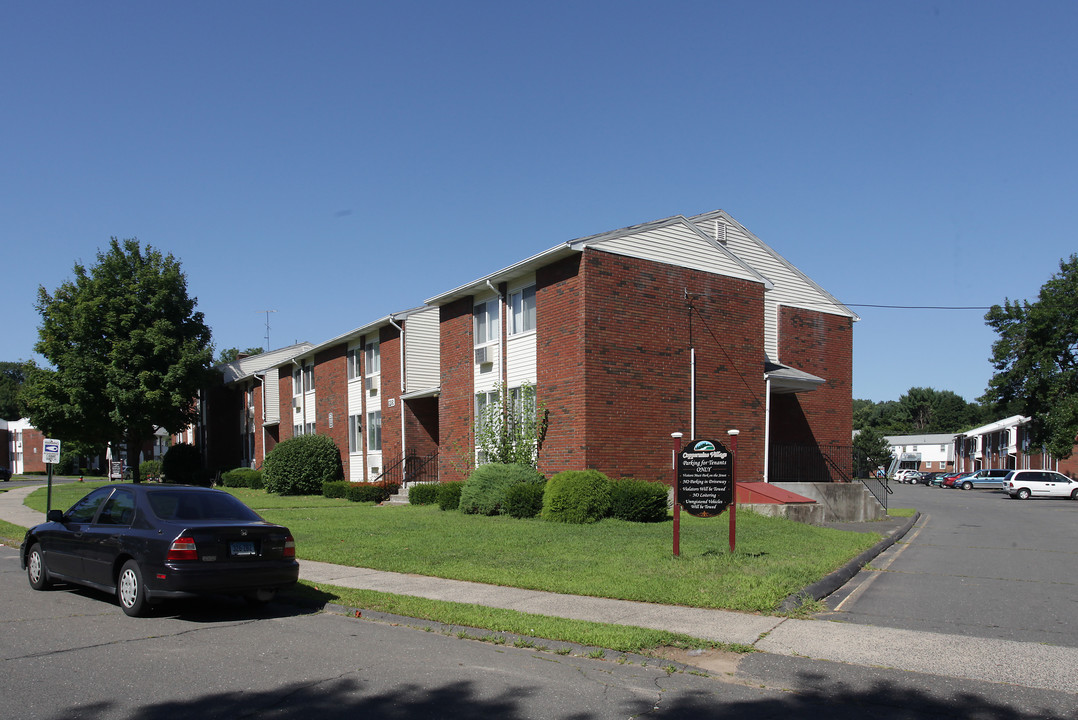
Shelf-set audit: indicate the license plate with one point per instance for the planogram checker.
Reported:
(240, 549)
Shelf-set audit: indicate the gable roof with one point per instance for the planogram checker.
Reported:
(258, 364)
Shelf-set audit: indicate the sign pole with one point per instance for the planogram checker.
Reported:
(51, 455)
(733, 481)
(677, 505)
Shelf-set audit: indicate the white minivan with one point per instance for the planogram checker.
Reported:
(1023, 484)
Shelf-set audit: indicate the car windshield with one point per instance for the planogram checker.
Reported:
(194, 505)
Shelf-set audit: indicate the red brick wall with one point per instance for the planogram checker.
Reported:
(455, 423)
(821, 344)
(560, 390)
(390, 350)
(284, 402)
(421, 425)
(331, 397)
(32, 447)
(637, 364)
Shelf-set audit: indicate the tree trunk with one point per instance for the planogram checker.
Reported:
(134, 447)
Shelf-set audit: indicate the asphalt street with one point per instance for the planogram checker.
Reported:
(976, 564)
(70, 654)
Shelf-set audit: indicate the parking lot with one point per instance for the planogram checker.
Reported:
(977, 563)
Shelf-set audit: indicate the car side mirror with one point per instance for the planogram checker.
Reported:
(55, 516)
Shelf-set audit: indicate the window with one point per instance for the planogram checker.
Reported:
(309, 429)
(374, 431)
(297, 383)
(483, 401)
(353, 363)
(355, 433)
(308, 377)
(486, 322)
(84, 510)
(522, 307)
(297, 430)
(372, 357)
(119, 510)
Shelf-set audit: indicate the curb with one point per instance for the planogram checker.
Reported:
(829, 584)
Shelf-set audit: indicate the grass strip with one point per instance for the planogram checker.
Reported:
(623, 638)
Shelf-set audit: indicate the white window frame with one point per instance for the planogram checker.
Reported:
(374, 431)
(372, 358)
(355, 434)
(522, 310)
(308, 377)
(353, 363)
(486, 325)
(297, 382)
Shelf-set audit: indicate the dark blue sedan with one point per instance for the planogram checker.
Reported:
(147, 543)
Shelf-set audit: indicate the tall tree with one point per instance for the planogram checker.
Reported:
(12, 376)
(129, 352)
(232, 354)
(871, 453)
(1036, 360)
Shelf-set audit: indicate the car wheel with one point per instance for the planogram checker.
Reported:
(35, 569)
(967, 485)
(1074, 495)
(130, 590)
(261, 596)
(1023, 494)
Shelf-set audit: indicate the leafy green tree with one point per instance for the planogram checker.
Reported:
(12, 376)
(509, 429)
(870, 451)
(232, 354)
(1036, 360)
(128, 350)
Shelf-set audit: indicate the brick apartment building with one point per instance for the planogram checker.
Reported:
(605, 328)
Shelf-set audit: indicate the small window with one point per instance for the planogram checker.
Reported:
(355, 433)
(84, 510)
(372, 357)
(522, 308)
(308, 377)
(119, 510)
(486, 322)
(353, 363)
(297, 383)
(374, 431)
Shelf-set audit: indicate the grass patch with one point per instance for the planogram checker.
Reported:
(902, 512)
(11, 534)
(622, 638)
(616, 559)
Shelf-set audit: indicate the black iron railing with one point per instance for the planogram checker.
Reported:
(825, 463)
(410, 468)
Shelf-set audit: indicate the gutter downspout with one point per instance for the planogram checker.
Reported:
(767, 426)
(261, 381)
(404, 438)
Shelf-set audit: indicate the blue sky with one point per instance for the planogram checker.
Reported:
(338, 161)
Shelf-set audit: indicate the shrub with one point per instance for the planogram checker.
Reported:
(299, 465)
(577, 496)
(182, 463)
(335, 488)
(366, 492)
(242, 478)
(638, 500)
(525, 500)
(423, 494)
(449, 495)
(150, 469)
(485, 489)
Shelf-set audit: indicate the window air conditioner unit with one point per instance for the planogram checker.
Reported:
(372, 384)
(482, 355)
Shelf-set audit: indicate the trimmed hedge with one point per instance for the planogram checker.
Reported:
(449, 494)
(423, 494)
(182, 463)
(485, 489)
(300, 465)
(638, 500)
(525, 500)
(335, 488)
(242, 478)
(366, 492)
(577, 496)
(150, 469)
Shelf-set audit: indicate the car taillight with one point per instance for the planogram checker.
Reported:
(289, 546)
(182, 548)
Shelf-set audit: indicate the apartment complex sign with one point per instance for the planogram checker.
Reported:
(705, 478)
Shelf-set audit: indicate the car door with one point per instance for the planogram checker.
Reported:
(1056, 485)
(64, 546)
(105, 537)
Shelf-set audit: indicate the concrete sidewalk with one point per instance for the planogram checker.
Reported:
(1028, 664)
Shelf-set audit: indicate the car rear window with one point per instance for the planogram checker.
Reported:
(194, 505)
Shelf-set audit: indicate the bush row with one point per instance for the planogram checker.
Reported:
(243, 477)
(359, 492)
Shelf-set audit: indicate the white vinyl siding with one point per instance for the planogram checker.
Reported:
(676, 244)
(271, 401)
(422, 350)
(520, 363)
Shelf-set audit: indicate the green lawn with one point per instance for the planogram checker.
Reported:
(616, 559)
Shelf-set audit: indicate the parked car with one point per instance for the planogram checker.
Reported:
(906, 476)
(933, 478)
(5, 474)
(1024, 484)
(951, 481)
(983, 479)
(146, 543)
